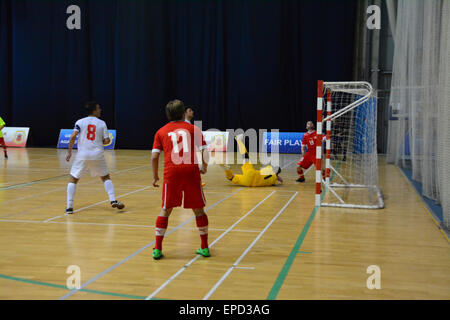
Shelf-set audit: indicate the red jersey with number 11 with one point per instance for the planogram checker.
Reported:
(179, 140)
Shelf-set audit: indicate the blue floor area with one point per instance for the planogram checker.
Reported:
(434, 208)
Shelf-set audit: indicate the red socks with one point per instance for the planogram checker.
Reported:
(202, 225)
(161, 226)
(300, 172)
(160, 230)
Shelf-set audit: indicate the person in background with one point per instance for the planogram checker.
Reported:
(188, 116)
(2, 140)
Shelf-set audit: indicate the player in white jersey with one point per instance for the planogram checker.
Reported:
(93, 134)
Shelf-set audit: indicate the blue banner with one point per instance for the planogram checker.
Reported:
(64, 137)
(287, 142)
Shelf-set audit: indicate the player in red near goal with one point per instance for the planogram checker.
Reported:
(309, 142)
(180, 142)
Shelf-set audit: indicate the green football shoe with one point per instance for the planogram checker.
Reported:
(157, 254)
(203, 252)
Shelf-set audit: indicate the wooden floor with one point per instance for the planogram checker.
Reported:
(266, 243)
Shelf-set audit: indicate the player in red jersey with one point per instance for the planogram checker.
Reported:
(180, 142)
(310, 143)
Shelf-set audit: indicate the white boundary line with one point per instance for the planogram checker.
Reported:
(113, 225)
(43, 157)
(14, 214)
(142, 249)
(214, 288)
(288, 164)
(63, 188)
(180, 271)
(100, 202)
(116, 172)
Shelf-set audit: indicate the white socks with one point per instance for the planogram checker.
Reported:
(109, 188)
(71, 188)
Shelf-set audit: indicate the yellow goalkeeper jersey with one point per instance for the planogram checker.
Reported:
(253, 178)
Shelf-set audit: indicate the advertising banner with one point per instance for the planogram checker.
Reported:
(216, 140)
(15, 136)
(287, 142)
(64, 137)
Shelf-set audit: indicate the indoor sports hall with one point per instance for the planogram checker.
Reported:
(367, 219)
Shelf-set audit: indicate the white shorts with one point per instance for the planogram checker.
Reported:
(97, 168)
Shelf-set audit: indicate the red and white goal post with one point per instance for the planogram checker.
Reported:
(350, 176)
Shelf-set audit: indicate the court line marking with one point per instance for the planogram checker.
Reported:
(142, 249)
(14, 214)
(298, 244)
(113, 225)
(21, 221)
(214, 288)
(43, 156)
(63, 188)
(100, 202)
(37, 169)
(18, 186)
(139, 250)
(25, 184)
(289, 163)
(53, 285)
(182, 269)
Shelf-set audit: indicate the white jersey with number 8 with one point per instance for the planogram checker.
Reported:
(92, 131)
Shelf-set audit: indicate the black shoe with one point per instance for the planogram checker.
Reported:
(117, 204)
(300, 180)
(279, 171)
(6, 156)
(69, 210)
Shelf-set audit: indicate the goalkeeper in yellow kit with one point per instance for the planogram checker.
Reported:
(251, 177)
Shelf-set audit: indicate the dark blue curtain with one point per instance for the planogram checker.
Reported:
(242, 64)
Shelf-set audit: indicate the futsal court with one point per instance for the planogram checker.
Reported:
(266, 243)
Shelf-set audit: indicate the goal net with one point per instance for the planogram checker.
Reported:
(346, 123)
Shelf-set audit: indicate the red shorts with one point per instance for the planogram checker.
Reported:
(2, 142)
(307, 161)
(183, 182)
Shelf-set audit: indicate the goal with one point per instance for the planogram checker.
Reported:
(349, 177)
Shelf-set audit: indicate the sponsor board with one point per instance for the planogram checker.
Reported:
(216, 140)
(64, 137)
(15, 136)
(283, 142)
